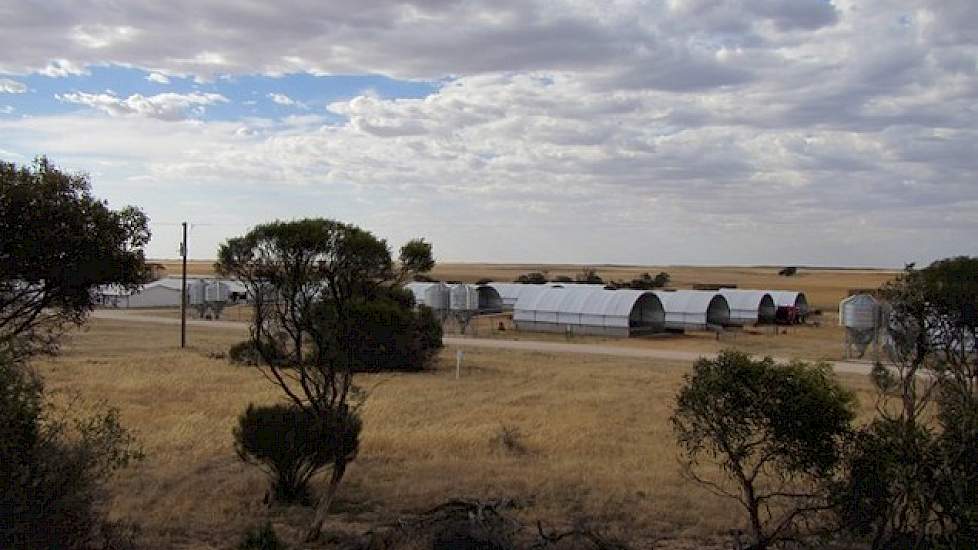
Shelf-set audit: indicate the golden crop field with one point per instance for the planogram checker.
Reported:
(595, 430)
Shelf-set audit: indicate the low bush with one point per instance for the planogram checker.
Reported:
(54, 464)
(292, 445)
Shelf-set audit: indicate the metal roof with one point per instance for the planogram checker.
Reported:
(580, 305)
(694, 309)
(745, 305)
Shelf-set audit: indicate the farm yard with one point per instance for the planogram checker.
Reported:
(568, 436)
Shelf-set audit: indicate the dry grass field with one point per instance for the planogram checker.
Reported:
(595, 431)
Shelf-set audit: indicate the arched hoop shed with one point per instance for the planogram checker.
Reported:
(589, 310)
(489, 299)
(434, 295)
(749, 307)
(790, 298)
(694, 309)
(509, 293)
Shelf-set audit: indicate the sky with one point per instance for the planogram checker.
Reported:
(701, 132)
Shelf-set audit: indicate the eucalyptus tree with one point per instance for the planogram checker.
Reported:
(316, 286)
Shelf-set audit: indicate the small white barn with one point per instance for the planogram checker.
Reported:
(434, 295)
(589, 310)
(749, 307)
(694, 309)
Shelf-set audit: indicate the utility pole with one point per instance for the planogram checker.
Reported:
(183, 291)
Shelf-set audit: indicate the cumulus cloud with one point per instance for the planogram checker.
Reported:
(734, 131)
(169, 106)
(8, 86)
(284, 100)
(159, 78)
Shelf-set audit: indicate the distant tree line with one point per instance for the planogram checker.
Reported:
(589, 275)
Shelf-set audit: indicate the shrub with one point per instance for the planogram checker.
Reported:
(772, 432)
(483, 281)
(532, 279)
(292, 445)
(788, 271)
(54, 465)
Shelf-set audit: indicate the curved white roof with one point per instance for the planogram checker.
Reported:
(745, 305)
(511, 292)
(694, 308)
(581, 305)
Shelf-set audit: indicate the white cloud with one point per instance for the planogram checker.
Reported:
(282, 99)
(6, 109)
(725, 131)
(168, 106)
(100, 36)
(159, 78)
(59, 68)
(8, 86)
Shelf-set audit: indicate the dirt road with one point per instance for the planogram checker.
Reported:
(457, 342)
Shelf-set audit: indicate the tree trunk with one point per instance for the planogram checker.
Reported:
(322, 510)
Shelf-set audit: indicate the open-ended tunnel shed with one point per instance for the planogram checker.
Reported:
(749, 307)
(589, 310)
(489, 299)
(790, 298)
(694, 309)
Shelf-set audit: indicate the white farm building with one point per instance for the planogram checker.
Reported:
(161, 293)
(588, 310)
(749, 307)
(694, 309)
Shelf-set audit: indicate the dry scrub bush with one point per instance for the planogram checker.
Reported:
(292, 446)
(53, 466)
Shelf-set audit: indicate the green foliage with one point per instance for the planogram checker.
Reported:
(59, 244)
(534, 278)
(53, 465)
(262, 537)
(764, 434)
(386, 333)
(415, 257)
(589, 275)
(912, 473)
(291, 445)
(647, 282)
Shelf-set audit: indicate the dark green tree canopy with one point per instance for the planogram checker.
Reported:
(58, 243)
(764, 434)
